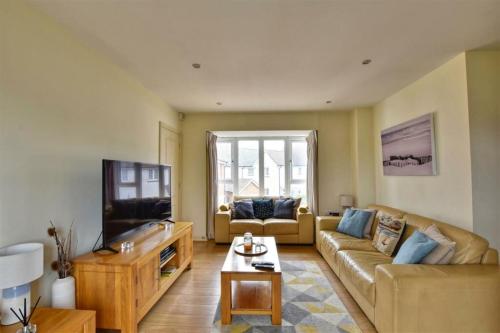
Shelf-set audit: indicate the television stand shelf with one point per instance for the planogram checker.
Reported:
(123, 287)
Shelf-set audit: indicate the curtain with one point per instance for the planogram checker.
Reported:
(211, 143)
(312, 171)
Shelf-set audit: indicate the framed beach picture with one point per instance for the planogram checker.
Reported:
(408, 148)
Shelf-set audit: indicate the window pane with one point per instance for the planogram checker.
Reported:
(248, 168)
(125, 192)
(274, 167)
(299, 160)
(127, 172)
(224, 160)
(150, 182)
(298, 190)
(224, 193)
(166, 180)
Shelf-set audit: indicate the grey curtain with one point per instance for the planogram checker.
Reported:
(211, 143)
(312, 171)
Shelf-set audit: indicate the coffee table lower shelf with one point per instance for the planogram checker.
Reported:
(227, 309)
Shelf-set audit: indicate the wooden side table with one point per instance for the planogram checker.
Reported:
(49, 320)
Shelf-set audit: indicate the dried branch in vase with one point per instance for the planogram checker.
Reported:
(64, 248)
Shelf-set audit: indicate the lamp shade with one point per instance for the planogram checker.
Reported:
(20, 264)
(346, 200)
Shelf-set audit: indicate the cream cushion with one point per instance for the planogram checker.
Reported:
(280, 227)
(443, 253)
(255, 226)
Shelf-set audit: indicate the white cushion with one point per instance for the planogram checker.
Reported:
(443, 253)
(368, 226)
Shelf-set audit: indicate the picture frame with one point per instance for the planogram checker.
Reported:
(408, 149)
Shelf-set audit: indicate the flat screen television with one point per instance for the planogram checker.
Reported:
(134, 195)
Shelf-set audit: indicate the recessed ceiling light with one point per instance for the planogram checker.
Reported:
(328, 102)
(366, 61)
(196, 65)
(219, 103)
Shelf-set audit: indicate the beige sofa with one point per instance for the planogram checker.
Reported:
(461, 297)
(294, 231)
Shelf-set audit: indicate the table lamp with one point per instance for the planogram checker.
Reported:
(20, 264)
(346, 201)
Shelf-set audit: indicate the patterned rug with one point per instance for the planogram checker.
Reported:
(309, 304)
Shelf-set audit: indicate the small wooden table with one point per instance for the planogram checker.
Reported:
(251, 299)
(49, 320)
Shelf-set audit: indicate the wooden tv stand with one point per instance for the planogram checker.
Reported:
(123, 287)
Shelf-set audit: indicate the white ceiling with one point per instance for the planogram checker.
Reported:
(263, 55)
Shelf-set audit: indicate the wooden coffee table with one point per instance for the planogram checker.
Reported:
(251, 300)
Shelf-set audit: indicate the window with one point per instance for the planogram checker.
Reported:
(152, 174)
(259, 166)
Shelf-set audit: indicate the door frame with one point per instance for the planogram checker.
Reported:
(175, 131)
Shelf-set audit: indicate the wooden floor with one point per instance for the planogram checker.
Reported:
(190, 304)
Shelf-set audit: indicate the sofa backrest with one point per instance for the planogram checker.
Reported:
(243, 197)
(470, 247)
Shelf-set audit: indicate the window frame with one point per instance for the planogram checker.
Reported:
(288, 140)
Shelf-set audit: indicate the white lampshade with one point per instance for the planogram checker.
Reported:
(346, 200)
(20, 264)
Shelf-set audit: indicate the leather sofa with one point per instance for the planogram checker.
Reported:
(463, 296)
(299, 230)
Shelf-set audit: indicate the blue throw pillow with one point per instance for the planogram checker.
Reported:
(283, 208)
(243, 210)
(353, 222)
(263, 208)
(415, 248)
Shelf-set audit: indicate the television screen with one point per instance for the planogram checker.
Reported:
(134, 195)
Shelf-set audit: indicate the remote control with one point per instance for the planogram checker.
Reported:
(269, 263)
(258, 266)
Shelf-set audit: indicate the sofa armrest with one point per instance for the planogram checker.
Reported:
(222, 220)
(437, 298)
(306, 227)
(490, 257)
(325, 223)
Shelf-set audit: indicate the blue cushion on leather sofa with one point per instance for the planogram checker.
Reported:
(353, 222)
(415, 248)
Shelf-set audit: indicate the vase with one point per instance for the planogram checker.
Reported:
(63, 293)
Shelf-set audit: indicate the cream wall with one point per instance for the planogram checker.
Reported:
(447, 196)
(335, 175)
(63, 108)
(362, 157)
(483, 82)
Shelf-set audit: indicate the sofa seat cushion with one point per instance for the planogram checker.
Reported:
(255, 226)
(337, 241)
(281, 227)
(358, 267)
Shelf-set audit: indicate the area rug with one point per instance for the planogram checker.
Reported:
(309, 304)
